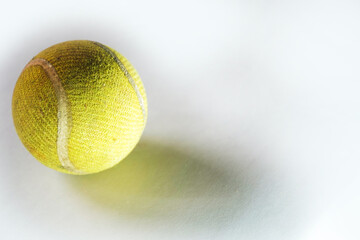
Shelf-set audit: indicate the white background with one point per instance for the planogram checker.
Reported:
(253, 129)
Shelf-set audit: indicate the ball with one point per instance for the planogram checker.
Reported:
(79, 107)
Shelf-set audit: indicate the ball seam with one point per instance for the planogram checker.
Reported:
(63, 114)
(127, 75)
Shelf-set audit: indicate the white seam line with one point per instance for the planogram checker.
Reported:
(128, 76)
(63, 114)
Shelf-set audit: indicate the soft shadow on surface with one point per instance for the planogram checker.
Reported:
(158, 180)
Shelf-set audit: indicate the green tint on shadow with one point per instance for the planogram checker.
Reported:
(159, 180)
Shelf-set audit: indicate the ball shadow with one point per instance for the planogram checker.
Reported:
(159, 180)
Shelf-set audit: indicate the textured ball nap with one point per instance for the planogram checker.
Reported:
(79, 107)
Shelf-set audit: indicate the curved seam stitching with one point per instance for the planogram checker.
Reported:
(63, 114)
(128, 76)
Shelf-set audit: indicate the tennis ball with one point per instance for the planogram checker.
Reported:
(79, 107)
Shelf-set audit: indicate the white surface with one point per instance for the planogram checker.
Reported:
(253, 129)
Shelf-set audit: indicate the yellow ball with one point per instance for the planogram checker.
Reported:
(79, 107)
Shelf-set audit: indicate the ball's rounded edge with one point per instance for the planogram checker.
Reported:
(60, 168)
(135, 80)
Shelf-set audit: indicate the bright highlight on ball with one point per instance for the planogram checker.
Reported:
(79, 107)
